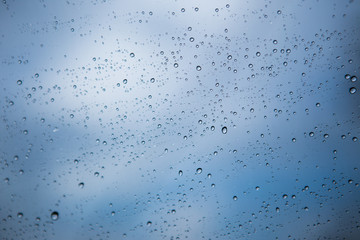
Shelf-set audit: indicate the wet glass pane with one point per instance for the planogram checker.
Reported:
(179, 119)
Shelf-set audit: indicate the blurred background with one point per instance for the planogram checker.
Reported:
(179, 119)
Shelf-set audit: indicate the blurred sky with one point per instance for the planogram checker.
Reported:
(112, 115)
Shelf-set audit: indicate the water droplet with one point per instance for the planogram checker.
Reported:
(311, 134)
(176, 65)
(132, 55)
(235, 198)
(181, 173)
(152, 80)
(257, 188)
(258, 54)
(125, 81)
(354, 139)
(198, 68)
(19, 82)
(353, 78)
(224, 130)
(278, 12)
(149, 223)
(352, 90)
(285, 196)
(293, 140)
(81, 185)
(20, 215)
(199, 170)
(55, 216)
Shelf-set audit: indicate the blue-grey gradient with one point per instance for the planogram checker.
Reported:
(179, 119)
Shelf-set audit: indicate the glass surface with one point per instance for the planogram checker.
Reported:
(179, 119)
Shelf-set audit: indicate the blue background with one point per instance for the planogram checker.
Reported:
(88, 133)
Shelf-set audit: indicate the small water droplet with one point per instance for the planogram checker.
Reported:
(224, 130)
(54, 215)
(352, 90)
